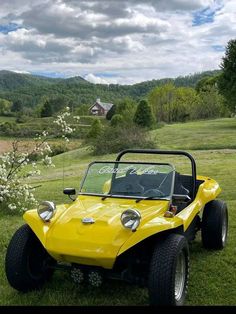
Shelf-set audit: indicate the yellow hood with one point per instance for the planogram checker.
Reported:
(67, 238)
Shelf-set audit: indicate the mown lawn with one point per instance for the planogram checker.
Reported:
(7, 119)
(206, 134)
(212, 275)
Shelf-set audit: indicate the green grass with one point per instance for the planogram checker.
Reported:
(206, 134)
(212, 273)
(33, 126)
(4, 119)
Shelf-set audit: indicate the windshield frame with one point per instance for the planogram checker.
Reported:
(114, 174)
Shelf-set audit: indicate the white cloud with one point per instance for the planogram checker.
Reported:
(95, 79)
(22, 72)
(135, 40)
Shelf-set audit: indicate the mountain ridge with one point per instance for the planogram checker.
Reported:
(31, 88)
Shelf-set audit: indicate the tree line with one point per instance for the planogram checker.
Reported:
(30, 94)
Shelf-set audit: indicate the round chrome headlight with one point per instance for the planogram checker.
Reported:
(130, 219)
(46, 210)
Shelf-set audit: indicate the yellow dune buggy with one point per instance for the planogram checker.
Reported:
(130, 221)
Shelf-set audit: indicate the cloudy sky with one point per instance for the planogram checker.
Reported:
(115, 41)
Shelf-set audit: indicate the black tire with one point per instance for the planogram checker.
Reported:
(27, 261)
(215, 225)
(169, 271)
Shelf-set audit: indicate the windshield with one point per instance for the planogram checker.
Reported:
(132, 180)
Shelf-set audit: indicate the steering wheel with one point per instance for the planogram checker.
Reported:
(153, 192)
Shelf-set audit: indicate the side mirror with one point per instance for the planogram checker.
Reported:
(69, 191)
(180, 198)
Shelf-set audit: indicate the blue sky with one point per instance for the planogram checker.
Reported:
(49, 74)
(124, 42)
(7, 28)
(203, 16)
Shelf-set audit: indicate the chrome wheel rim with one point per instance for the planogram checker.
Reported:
(180, 276)
(224, 230)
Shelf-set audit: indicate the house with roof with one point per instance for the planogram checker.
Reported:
(100, 108)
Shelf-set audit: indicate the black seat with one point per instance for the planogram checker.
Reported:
(128, 185)
(151, 181)
(179, 188)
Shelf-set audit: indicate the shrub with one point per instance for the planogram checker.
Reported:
(57, 149)
(21, 119)
(117, 119)
(17, 167)
(115, 139)
(8, 128)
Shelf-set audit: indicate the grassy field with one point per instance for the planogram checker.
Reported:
(212, 274)
(204, 135)
(7, 119)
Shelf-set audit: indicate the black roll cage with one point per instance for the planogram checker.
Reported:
(165, 152)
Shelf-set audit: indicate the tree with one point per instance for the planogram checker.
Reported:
(95, 129)
(47, 110)
(206, 82)
(17, 106)
(161, 98)
(143, 115)
(127, 108)
(5, 107)
(227, 80)
(82, 110)
(58, 103)
(180, 110)
(210, 104)
(178, 104)
(111, 112)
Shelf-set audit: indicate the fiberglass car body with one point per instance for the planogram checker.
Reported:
(130, 220)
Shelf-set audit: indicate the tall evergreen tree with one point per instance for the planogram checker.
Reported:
(111, 112)
(17, 106)
(47, 110)
(227, 80)
(95, 129)
(143, 115)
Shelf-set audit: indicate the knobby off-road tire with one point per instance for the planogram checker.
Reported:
(169, 271)
(27, 262)
(215, 225)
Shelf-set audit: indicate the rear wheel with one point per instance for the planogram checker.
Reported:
(215, 225)
(169, 270)
(27, 263)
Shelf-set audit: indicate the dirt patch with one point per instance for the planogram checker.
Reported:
(5, 146)
(26, 146)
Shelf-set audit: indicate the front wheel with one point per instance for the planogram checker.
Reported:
(27, 263)
(169, 271)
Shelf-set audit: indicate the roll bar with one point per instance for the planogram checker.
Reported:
(165, 152)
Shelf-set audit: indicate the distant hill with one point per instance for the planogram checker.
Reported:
(12, 81)
(31, 88)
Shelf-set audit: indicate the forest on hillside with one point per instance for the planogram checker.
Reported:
(32, 91)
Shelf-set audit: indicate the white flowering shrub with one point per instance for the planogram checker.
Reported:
(16, 167)
(64, 127)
